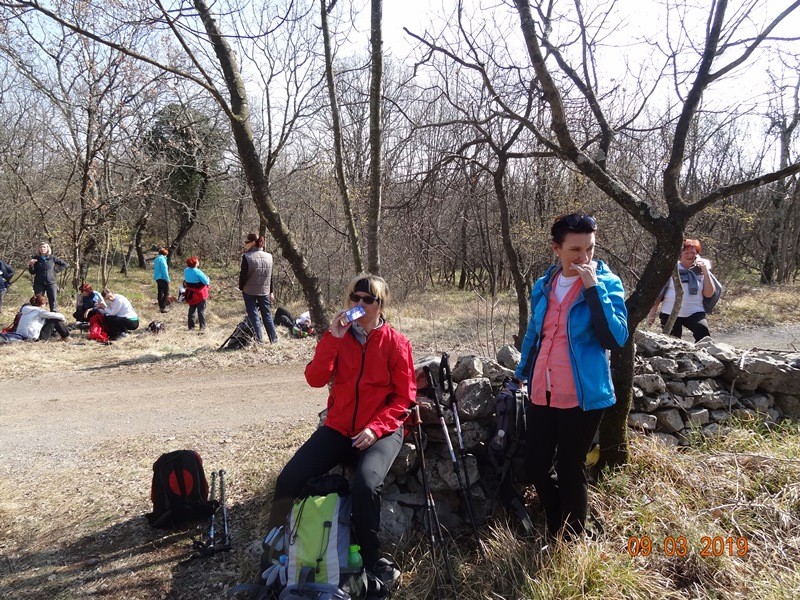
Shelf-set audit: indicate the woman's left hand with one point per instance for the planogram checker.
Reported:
(588, 273)
(365, 439)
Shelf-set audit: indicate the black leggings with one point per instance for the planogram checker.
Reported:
(563, 437)
(53, 325)
(51, 291)
(162, 287)
(325, 449)
(696, 323)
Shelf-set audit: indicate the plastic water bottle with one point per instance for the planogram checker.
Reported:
(354, 560)
(284, 560)
(498, 442)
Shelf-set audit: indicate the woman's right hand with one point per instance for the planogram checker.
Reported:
(338, 329)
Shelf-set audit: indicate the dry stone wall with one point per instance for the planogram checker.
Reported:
(679, 387)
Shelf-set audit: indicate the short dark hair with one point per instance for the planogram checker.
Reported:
(572, 223)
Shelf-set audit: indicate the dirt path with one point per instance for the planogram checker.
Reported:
(57, 416)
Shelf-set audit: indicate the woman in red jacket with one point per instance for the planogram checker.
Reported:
(374, 385)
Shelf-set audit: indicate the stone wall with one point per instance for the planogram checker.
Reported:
(678, 387)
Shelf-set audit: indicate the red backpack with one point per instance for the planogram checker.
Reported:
(180, 490)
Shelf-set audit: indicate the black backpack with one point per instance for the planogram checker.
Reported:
(242, 336)
(180, 490)
(506, 452)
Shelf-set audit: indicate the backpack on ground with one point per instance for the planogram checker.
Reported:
(506, 452)
(242, 336)
(309, 557)
(179, 491)
(156, 327)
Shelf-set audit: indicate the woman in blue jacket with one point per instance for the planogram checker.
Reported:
(196, 283)
(161, 277)
(577, 314)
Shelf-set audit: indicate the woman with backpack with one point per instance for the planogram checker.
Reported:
(373, 387)
(577, 313)
(44, 267)
(196, 283)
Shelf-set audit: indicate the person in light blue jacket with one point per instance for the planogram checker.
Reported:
(578, 313)
(196, 283)
(161, 277)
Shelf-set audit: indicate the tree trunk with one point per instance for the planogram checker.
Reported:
(375, 86)
(254, 171)
(341, 179)
(511, 252)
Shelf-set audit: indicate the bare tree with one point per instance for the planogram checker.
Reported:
(231, 98)
(591, 160)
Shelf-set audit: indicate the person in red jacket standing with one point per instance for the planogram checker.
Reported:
(374, 385)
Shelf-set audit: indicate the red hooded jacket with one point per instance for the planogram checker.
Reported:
(372, 385)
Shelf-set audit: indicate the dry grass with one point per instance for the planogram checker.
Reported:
(746, 306)
(76, 530)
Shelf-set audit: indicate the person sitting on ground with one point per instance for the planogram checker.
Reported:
(284, 318)
(38, 323)
(161, 277)
(6, 273)
(87, 302)
(196, 283)
(373, 387)
(701, 290)
(119, 317)
(44, 267)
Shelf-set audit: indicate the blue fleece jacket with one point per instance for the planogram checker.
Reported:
(597, 322)
(160, 268)
(195, 275)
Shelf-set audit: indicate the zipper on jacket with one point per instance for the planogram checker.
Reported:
(358, 381)
(579, 381)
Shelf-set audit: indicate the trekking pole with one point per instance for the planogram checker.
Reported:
(226, 536)
(437, 400)
(207, 548)
(434, 527)
(446, 381)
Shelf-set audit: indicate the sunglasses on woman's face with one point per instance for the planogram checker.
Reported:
(365, 299)
(574, 221)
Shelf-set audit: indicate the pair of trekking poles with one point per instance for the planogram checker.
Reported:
(433, 526)
(215, 542)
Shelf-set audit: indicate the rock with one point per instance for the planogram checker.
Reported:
(713, 430)
(758, 402)
(475, 398)
(669, 420)
(642, 421)
(432, 362)
(664, 365)
(719, 416)
(744, 414)
(649, 343)
(508, 356)
(406, 460)
(646, 404)
(789, 404)
(396, 522)
(699, 364)
(697, 417)
(724, 353)
(716, 400)
(664, 438)
(496, 373)
(467, 367)
(650, 384)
